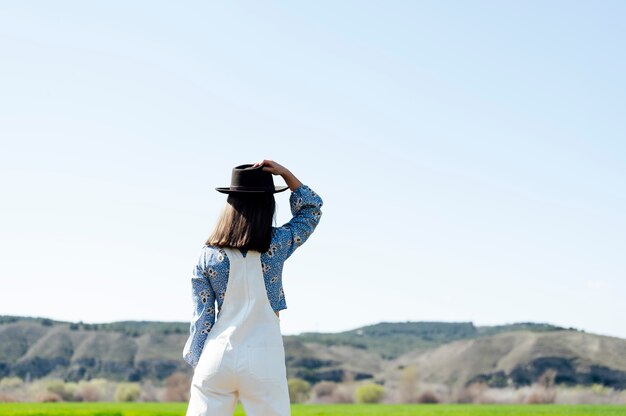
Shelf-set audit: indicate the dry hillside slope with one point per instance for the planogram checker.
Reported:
(518, 357)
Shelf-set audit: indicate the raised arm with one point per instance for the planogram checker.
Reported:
(305, 208)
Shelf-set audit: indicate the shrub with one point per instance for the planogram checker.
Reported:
(408, 384)
(150, 393)
(324, 389)
(7, 398)
(471, 393)
(601, 389)
(539, 397)
(97, 389)
(71, 391)
(88, 392)
(543, 389)
(343, 394)
(127, 392)
(49, 397)
(10, 383)
(177, 387)
(327, 392)
(299, 390)
(428, 397)
(369, 393)
(59, 388)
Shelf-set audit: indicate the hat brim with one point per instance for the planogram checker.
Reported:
(227, 190)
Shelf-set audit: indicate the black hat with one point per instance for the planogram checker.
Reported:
(248, 179)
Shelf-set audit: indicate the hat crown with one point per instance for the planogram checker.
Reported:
(248, 177)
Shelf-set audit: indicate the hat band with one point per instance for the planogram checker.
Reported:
(251, 188)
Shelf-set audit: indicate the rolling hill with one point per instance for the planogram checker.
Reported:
(453, 353)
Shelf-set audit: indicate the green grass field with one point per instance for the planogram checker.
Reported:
(178, 409)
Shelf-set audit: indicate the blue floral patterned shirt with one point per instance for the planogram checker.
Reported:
(210, 274)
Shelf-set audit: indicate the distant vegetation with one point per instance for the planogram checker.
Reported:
(130, 328)
(392, 339)
(388, 362)
(178, 409)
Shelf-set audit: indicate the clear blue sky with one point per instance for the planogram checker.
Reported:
(471, 156)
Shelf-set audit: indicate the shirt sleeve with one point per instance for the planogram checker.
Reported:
(306, 211)
(203, 317)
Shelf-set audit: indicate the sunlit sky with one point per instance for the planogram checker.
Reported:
(471, 156)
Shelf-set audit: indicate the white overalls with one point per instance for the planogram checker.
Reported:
(243, 356)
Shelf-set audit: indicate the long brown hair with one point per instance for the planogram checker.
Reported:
(245, 222)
